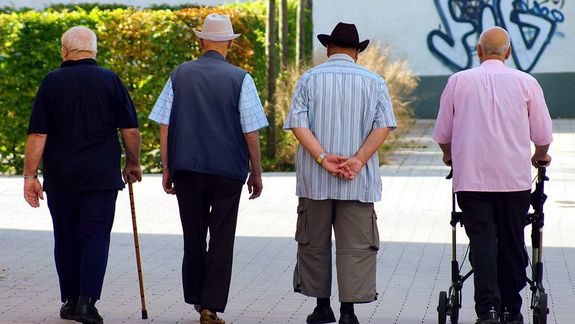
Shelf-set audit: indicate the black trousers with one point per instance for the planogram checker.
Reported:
(494, 223)
(207, 202)
(82, 225)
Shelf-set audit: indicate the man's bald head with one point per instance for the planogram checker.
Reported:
(494, 43)
(80, 42)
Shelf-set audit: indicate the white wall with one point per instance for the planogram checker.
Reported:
(39, 4)
(405, 25)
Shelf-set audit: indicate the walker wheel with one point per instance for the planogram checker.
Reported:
(455, 305)
(442, 308)
(540, 312)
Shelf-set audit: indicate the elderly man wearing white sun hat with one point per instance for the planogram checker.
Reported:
(209, 114)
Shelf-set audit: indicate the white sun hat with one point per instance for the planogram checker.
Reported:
(217, 28)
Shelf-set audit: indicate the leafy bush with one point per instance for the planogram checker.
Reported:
(401, 82)
(87, 6)
(287, 143)
(141, 46)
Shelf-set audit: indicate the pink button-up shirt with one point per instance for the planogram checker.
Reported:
(490, 115)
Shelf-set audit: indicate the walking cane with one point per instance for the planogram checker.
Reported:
(137, 247)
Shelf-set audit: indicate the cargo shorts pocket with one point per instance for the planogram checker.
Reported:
(301, 231)
(375, 232)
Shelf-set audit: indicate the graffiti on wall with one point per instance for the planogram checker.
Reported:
(531, 24)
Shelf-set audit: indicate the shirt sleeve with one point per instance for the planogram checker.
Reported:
(297, 116)
(127, 116)
(163, 107)
(539, 119)
(444, 124)
(252, 115)
(384, 115)
(39, 119)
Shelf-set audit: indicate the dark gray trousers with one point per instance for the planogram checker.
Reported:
(494, 223)
(207, 202)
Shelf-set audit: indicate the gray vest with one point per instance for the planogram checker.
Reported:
(205, 134)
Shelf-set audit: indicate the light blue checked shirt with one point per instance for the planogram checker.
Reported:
(340, 102)
(252, 116)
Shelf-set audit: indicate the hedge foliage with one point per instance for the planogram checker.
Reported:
(141, 46)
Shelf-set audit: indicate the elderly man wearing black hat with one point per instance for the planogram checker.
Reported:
(341, 114)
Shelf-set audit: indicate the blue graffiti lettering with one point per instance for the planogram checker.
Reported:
(539, 10)
(531, 25)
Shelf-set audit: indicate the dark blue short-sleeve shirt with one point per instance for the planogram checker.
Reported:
(80, 107)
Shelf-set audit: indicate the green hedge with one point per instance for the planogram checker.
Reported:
(141, 46)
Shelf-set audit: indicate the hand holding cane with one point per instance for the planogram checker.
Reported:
(137, 247)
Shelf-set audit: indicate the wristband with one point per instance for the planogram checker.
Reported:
(31, 177)
(320, 158)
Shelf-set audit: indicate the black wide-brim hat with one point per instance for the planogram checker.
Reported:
(344, 35)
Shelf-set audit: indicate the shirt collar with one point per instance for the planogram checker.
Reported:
(87, 61)
(214, 54)
(493, 63)
(341, 57)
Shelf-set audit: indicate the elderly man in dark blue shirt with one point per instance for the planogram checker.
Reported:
(73, 130)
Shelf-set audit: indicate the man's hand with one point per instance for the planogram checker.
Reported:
(447, 159)
(255, 185)
(132, 173)
(331, 163)
(167, 183)
(33, 191)
(543, 157)
(351, 167)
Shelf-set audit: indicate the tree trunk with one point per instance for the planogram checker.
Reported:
(283, 34)
(300, 33)
(271, 72)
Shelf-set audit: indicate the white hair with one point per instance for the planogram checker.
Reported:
(80, 39)
(490, 46)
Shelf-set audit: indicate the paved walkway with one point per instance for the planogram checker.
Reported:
(413, 264)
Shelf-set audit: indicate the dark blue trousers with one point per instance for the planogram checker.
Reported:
(82, 225)
(494, 223)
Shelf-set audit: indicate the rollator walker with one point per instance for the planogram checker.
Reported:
(450, 301)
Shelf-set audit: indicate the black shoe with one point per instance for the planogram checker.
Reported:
(320, 316)
(86, 312)
(491, 317)
(348, 319)
(509, 318)
(68, 310)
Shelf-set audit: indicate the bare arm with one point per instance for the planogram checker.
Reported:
(255, 184)
(446, 149)
(32, 156)
(306, 138)
(372, 143)
(132, 144)
(167, 183)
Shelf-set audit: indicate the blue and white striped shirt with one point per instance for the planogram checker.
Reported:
(252, 116)
(341, 102)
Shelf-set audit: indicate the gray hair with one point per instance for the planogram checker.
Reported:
(80, 39)
(489, 45)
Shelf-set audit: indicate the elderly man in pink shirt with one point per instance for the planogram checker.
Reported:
(487, 119)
